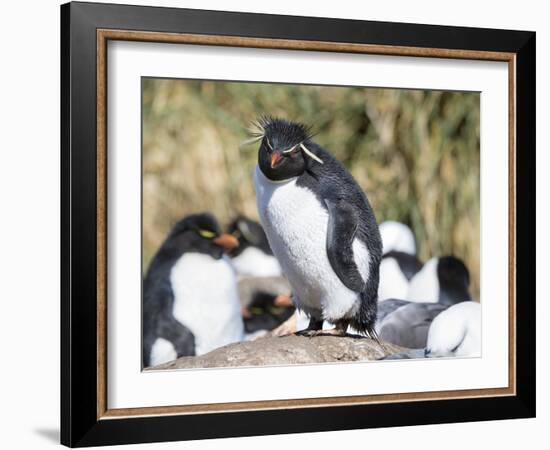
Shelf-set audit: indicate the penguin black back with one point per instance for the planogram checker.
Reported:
(388, 306)
(333, 183)
(408, 325)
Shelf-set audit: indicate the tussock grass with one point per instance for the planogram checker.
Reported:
(415, 153)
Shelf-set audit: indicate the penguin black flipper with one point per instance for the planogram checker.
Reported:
(159, 322)
(179, 335)
(153, 290)
(342, 227)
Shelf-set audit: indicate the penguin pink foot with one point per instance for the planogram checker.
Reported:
(314, 328)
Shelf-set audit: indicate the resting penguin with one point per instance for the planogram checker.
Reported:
(320, 227)
(406, 322)
(253, 257)
(387, 307)
(190, 299)
(445, 280)
(408, 325)
(456, 331)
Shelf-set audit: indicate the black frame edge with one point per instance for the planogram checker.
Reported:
(229, 23)
(65, 416)
(79, 237)
(525, 223)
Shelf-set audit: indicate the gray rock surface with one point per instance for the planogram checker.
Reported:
(273, 350)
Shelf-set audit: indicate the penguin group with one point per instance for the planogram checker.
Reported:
(421, 306)
(190, 297)
(206, 288)
(317, 263)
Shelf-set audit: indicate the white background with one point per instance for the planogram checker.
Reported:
(29, 229)
(128, 387)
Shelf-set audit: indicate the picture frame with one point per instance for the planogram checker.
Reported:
(86, 28)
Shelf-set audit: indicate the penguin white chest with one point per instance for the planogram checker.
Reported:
(206, 300)
(296, 225)
(393, 284)
(424, 286)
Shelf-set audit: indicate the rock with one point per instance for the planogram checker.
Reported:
(273, 350)
(415, 353)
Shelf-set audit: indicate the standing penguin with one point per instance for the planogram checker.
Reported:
(190, 298)
(320, 227)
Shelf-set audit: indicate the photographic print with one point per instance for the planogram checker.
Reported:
(289, 224)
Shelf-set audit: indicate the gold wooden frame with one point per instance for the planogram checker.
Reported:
(103, 36)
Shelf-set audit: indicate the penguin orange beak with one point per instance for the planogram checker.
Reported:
(226, 241)
(275, 158)
(283, 301)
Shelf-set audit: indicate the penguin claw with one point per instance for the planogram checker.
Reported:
(329, 332)
(332, 332)
(307, 333)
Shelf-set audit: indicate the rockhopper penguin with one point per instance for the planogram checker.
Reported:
(320, 227)
(190, 298)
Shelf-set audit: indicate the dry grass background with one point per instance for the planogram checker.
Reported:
(415, 153)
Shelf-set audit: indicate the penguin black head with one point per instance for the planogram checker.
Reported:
(454, 280)
(199, 233)
(284, 151)
(453, 270)
(249, 234)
